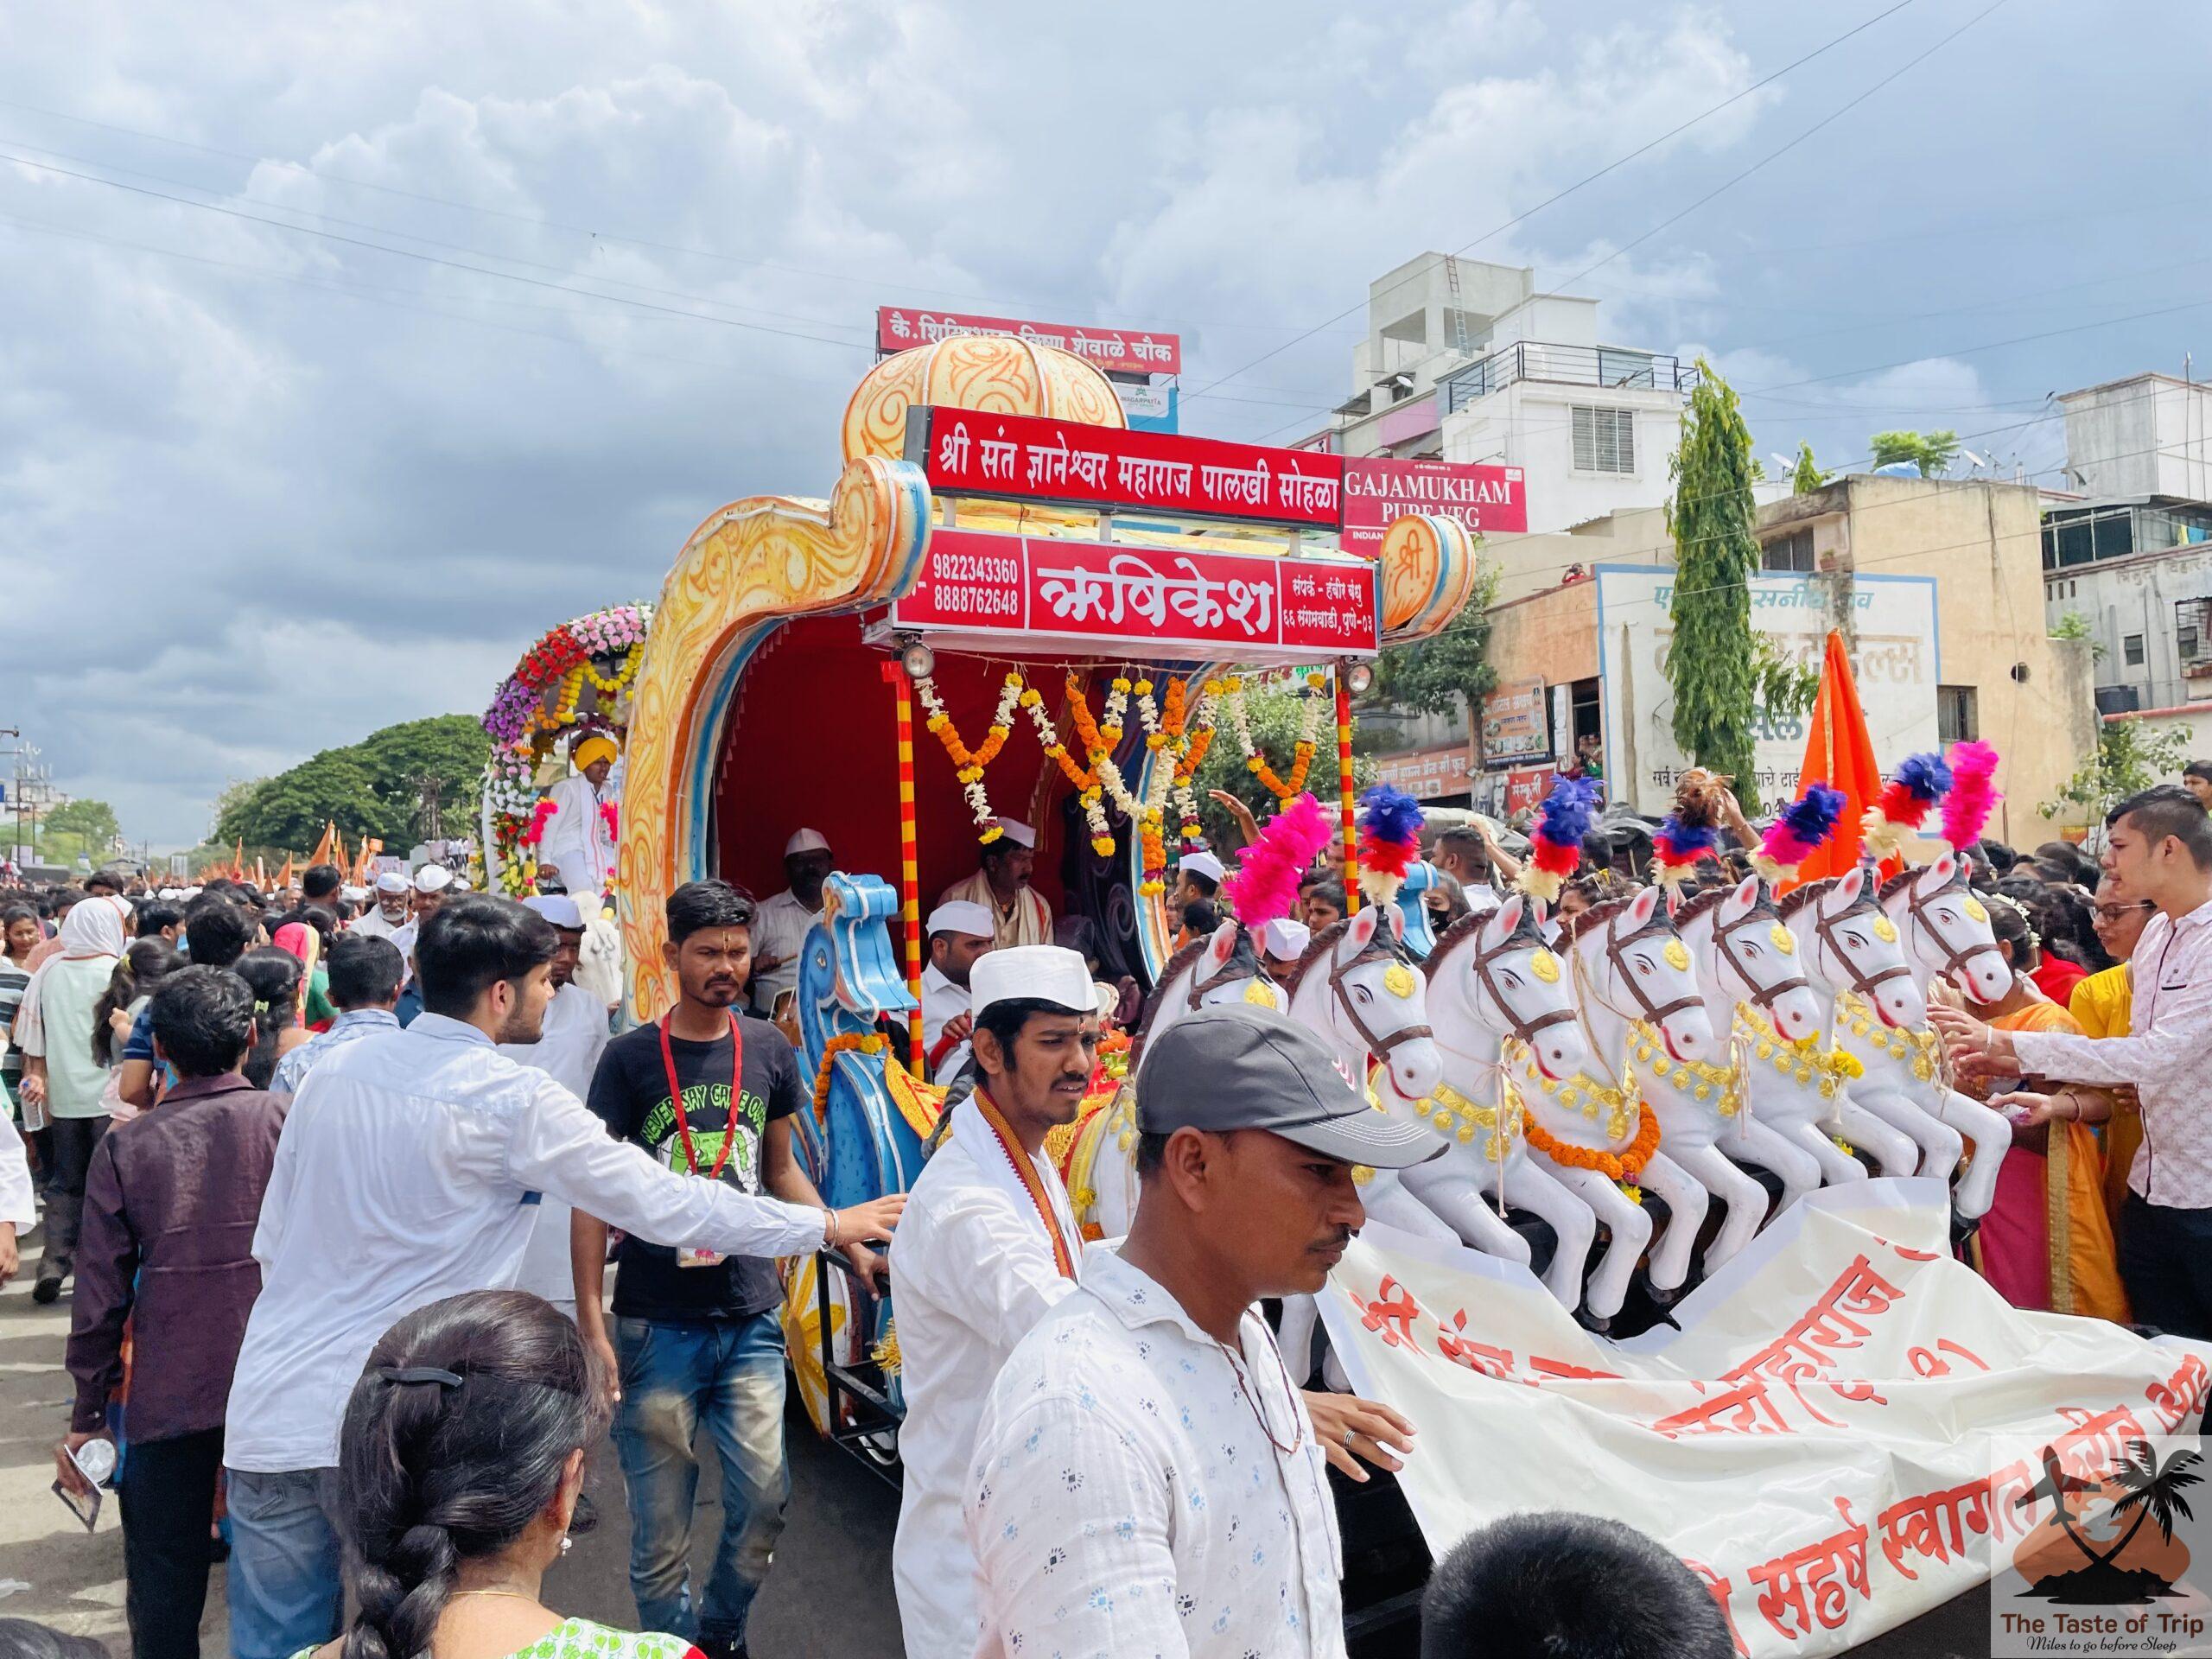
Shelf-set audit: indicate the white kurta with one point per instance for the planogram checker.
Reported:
(1029, 921)
(371, 924)
(779, 930)
(971, 1271)
(575, 1032)
(576, 838)
(942, 1002)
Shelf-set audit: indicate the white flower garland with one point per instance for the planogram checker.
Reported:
(971, 776)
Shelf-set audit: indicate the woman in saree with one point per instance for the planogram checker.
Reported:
(2046, 1242)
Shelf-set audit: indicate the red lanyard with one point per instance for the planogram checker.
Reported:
(736, 1093)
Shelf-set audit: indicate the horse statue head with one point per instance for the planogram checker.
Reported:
(1359, 986)
(1221, 967)
(1947, 928)
(1627, 956)
(861, 1145)
(1846, 943)
(1746, 953)
(1495, 971)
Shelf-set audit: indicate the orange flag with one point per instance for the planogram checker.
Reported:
(369, 848)
(285, 875)
(237, 861)
(1839, 753)
(322, 847)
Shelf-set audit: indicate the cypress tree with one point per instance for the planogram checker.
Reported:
(1712, 661)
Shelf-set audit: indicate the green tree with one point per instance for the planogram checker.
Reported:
(2130, 756)
(1932, 452)
(1806, 476)
(452, 748)
(1447, 673)
(1275, 710)
(288, 812)
(1713, 661)
(92, 824)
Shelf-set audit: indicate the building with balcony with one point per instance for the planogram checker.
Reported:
(1465, 361)
(2128, 562)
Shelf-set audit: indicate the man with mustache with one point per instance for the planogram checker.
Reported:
(709, 1092)
(1147, 1478)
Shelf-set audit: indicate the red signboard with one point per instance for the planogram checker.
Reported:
(1126, 350)
(1525, 788)
(1377, 492)
(964, 452)
(1127, 599)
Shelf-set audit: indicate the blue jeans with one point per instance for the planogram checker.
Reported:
(283, 1585)
(731, 1373)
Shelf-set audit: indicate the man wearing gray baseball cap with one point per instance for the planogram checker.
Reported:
(1154, 1389)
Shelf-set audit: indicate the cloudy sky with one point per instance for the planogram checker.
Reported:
(346, 346)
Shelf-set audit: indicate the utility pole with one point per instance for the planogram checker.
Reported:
(429, 788)
(16, 731)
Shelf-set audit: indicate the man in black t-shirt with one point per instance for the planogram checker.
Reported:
(698, 1335)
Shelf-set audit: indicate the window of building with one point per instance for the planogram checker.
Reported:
(2131, 650)
(2193, 632)
(1957, 714)
(1793, 552)
(1605, 439)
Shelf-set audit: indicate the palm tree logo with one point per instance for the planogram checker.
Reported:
(2145, 1484)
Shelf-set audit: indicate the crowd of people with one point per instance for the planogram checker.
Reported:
(337, 1176)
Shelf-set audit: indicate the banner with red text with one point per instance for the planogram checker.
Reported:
(1130, 351)
(1139, 599)
(1831, 1440)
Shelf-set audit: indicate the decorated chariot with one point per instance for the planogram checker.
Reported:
(577, 682)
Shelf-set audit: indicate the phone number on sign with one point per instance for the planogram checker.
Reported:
(970, 567)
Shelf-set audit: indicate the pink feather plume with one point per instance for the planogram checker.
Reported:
(1973, 794)
(1264, 887)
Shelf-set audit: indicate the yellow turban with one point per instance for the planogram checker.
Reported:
(597, 746)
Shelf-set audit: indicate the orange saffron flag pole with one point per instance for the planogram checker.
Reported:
(1839, 753)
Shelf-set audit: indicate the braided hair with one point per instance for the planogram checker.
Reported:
(456, 1439)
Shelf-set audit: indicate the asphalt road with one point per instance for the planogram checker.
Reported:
(829, 1598)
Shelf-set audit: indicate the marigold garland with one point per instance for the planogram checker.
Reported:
(1624, 1166)
(1309, 732)
(864, 1042)
(968, 764)
(1085, 783)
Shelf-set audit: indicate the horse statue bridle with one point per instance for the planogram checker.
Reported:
(1243, 963)
(1922, 910)
(1760, 996)
(1861, 981)
(1661, 926)
(1383, 946)
(1524, 936)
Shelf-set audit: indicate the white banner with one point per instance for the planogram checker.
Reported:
(1816, 1440)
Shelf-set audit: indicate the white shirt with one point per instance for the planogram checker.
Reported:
(409, 1170)
(1125, 1500)
(2170, 1033)
(372, 924)
(779, 929)
(971, 1271)
(576, 837)
(942, 1002)
(568, 1052)
(17, 1202)
(348, 1028)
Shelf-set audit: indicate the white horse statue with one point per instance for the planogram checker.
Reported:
(1947, 935)
(1848, 946)
(1628, 965)
(1491, 980)
(1220, 968)
(1743, 957)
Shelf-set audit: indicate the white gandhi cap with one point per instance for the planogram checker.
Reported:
(1201, 864)
(558, 909)
(1287, 940)
(433, 878)
(806, 840)
(962, 916)
(391, 881)
(1043, 973)
(1017, 832)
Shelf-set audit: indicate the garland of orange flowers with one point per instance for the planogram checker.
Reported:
(864, 1042)
(1623, 1166)
(1085, 781)
(968, 764)
(1309, 728)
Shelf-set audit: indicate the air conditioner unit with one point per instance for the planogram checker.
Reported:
(2119, 699)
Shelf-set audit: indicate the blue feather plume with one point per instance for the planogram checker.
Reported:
(1812, 818)
(1568, 813)
(1927, 777)
(1390, 815)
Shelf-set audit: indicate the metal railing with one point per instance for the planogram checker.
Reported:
(1607, 366)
